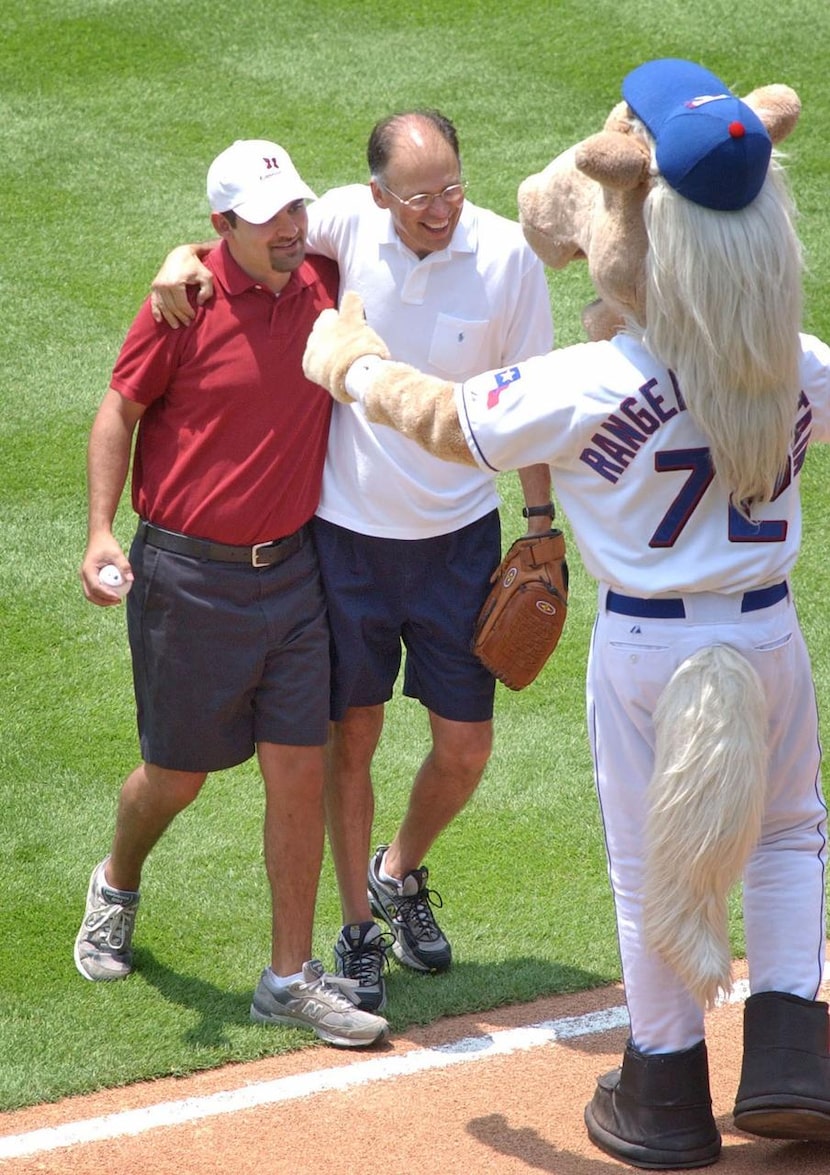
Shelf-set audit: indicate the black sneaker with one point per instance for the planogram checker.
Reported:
(360, 953)
(405, 906)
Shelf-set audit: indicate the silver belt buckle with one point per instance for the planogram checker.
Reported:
(255, 549)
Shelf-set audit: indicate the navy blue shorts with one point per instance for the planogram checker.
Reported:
(422, 594)
(226, 656)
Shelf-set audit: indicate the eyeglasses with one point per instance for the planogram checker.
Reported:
(453, 194)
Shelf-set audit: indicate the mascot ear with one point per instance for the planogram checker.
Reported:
(614, 159)
(778, 108)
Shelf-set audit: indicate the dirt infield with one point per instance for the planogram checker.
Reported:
(502, 1092)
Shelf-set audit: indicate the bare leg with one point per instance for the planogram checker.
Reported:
(445, 781)
(294, 834)
(150, 798)
(350, 804)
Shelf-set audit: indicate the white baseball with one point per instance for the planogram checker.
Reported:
(111, 577)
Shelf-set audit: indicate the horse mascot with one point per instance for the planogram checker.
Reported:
(675, 437)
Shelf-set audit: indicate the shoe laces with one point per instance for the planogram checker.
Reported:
(111, 926)
(365, 963)
(340, 991)
(416, 913)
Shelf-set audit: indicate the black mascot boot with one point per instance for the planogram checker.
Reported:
(656, 1111)
(784, 1090)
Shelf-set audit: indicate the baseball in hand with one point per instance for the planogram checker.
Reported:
(112, 578)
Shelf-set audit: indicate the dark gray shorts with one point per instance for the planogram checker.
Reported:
(226, 656)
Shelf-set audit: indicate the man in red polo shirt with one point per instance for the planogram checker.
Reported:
(225, 612)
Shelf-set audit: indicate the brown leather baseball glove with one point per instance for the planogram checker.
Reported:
(522, 618)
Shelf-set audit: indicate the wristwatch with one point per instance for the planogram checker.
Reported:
(546, 511)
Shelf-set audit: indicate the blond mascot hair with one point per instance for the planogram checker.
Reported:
(723, 311)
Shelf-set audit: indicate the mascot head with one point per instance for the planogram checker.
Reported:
(680, 208)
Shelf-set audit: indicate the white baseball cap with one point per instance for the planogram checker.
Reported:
(254, 178)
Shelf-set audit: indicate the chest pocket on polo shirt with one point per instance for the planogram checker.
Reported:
(457, 345)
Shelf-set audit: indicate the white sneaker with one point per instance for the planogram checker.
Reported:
(104, 942)
(324, 1003)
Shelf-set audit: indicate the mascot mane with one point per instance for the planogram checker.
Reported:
(723, 311)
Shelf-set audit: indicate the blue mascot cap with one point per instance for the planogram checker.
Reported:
(710, 146)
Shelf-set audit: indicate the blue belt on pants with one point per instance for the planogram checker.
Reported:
(663, 609)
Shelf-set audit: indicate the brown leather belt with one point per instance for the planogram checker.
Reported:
(259, 555)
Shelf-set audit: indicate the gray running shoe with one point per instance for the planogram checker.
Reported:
(103, 946)
(322, 1002)
(360, 954)
(419, 942)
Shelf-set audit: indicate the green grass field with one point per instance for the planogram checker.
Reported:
(113, 110)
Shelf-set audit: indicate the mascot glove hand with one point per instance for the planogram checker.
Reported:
(337, 340)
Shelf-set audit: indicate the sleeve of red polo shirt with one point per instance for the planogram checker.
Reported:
(147, 359)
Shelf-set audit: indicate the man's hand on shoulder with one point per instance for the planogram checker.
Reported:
(181, 268)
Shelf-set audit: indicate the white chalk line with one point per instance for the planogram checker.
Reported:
(284, 1089)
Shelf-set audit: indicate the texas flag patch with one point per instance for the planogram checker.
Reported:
(502, 379)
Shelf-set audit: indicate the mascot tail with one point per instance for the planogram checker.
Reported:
(705, 808)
